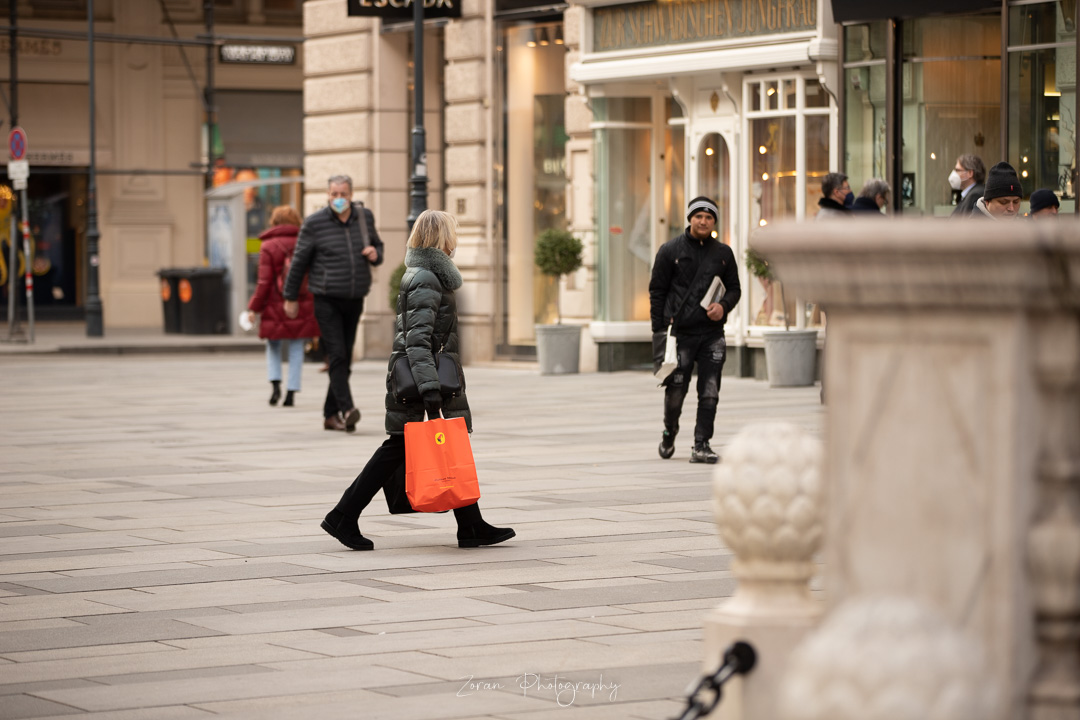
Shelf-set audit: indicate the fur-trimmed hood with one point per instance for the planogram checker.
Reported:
(437, 262)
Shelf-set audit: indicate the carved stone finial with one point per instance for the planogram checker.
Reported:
(886, 658)
(768, 500)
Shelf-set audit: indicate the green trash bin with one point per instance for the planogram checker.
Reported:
(170, 299)
(204, 301)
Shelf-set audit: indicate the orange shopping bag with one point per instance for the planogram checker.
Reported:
(439, 470)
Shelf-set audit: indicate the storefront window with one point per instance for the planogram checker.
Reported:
(951, 99)
(1042, 98)
(714, 179)
(533, 164)
(674, 169)
(783, 182)
(622, 141)
(864, 102)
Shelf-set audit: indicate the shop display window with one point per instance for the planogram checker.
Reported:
(950, 96)
(714, 180)
(531, 167)
(789, 152)
(623, 168)
(1042, 98)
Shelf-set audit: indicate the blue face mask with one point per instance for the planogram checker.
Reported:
(339, 204)
(849, 199)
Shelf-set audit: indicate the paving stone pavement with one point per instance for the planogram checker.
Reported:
(160, 554)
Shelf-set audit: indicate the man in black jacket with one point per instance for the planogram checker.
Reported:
(679, 295)
(336, 248)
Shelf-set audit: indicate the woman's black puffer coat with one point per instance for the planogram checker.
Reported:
(428, 324)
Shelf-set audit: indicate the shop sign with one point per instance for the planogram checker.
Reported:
(258, 54)
(33, 46)
(59, 157)
(672, 22)
(403, 9)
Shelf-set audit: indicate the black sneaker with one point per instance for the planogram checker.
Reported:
(667, 445)
(702, 453)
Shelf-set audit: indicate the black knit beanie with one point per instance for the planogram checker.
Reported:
(1042, 199)
(702, 203)
(1002, 181)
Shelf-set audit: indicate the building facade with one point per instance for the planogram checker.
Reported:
(153, 138)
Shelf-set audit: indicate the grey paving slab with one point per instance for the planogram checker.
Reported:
(28, 706)
(170, 564)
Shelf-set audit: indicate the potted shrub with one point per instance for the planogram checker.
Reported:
(790, 355)
(557, 253)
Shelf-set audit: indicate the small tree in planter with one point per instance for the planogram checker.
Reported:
(557, 253)
(790, 355)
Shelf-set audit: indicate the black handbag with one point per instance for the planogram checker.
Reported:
(403, 384)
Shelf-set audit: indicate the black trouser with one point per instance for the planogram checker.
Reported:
(388, 460)
(338, 318)
(709, 353)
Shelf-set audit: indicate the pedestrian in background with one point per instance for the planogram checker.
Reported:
(679, 296)
(275, 254)
(429, 325)
(834, 195)
(873, 197)
(967, 177)
(1001, 198)
(1043, 204)
(336, 248)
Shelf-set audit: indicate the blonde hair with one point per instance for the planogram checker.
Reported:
(284, 215)
(434, 229)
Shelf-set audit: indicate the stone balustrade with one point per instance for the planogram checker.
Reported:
(951, 437)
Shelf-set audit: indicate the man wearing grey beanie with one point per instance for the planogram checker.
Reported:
(693, 289)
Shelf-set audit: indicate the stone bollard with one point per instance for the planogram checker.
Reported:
(886, 658)
(768, 501)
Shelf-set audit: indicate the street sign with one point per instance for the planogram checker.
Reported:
(402, 9)
(17, 143)
(18, 171)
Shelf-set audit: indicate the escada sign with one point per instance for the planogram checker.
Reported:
(403, 9)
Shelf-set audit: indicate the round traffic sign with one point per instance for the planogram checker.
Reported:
(17, 143)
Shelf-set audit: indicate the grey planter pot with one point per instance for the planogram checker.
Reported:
(791, 357)
(558, 348)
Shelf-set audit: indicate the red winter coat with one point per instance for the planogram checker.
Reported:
(278, 244)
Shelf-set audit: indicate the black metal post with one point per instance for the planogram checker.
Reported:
(13, 59)
(95, 326)
(208, 94)
(418, 181)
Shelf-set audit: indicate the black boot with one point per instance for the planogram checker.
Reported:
(345, 532)
(288, 399)
(473, 531)
(667, 444)
(276, 395)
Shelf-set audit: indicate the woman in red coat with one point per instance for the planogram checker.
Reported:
(274, 258)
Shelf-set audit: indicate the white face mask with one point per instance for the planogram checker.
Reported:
(453, 253)
(954, 180)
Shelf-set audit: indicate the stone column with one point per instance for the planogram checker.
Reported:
(470, 43)
(953, 456)
(767, 497)
(355, 124)
(136, 225)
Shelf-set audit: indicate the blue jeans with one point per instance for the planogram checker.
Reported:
(296, 362)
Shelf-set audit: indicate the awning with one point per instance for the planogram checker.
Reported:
(261, 129)
(861, 10)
